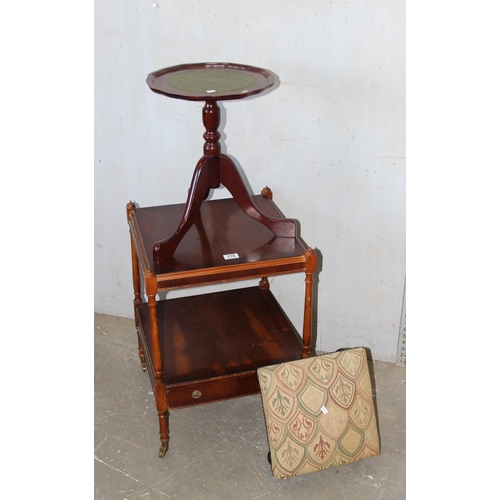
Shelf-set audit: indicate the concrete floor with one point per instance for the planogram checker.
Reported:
(219, 450)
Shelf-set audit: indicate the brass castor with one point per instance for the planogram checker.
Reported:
(143, 365)
(163, 449)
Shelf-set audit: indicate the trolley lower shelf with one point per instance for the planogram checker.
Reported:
(212, 344)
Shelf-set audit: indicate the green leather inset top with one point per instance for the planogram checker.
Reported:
(211, 80)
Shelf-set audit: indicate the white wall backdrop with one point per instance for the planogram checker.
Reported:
(329, 141)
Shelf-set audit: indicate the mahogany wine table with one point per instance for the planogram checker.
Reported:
(207, 347)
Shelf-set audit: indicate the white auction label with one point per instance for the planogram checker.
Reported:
(324, 410)
(229, 256)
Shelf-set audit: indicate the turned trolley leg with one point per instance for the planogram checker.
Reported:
(136, 279)
(307, 330)
(162, 407)
(160, 389)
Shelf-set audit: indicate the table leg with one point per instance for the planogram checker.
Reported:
(307, 330)
(160, 389)
(136, 279)
(200, 187)
(231, 179)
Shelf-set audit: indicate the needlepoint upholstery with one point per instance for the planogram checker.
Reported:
(319, 412)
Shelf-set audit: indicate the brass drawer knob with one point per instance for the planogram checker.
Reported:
(196, 394)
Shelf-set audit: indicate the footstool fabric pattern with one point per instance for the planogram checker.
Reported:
(319, 412)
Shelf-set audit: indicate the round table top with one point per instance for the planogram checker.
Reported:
(210, 81)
